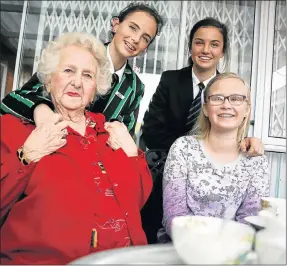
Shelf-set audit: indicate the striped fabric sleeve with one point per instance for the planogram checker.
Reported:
(21, 103)
(131, 116)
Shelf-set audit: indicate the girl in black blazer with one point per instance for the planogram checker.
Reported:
(166, 117)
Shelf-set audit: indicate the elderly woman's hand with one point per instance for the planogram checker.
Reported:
(121, 138)
(45, 139)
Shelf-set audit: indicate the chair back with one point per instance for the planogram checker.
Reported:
(152, 212)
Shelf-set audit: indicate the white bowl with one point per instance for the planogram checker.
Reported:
(211, 240)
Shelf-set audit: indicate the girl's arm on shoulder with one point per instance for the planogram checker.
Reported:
(22, 102)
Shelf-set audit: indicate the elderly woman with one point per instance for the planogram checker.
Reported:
(207, 174)
(84, 197)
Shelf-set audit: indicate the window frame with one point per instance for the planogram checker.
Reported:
(263, 76)
(4, 66)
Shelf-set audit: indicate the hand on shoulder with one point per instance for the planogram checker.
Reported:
(121, 138)
(45, 138)
(252, 146)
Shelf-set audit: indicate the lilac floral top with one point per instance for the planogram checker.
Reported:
(194, 184)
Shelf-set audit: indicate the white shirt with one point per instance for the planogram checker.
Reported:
(196, 81)
(120, 72)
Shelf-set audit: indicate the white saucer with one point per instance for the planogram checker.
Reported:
(257, 221)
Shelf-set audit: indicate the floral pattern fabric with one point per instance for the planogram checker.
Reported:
(194, 184)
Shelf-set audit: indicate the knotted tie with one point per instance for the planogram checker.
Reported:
(115, 80)
(194, 109)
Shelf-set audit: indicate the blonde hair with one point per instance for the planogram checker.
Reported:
(51, 54)
(203, 125)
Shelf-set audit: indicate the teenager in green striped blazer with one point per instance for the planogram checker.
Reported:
(133, 31)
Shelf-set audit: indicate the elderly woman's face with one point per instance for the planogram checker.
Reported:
(73, 84)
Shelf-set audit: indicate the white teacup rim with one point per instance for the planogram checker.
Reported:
(273, 199)
(183, 221)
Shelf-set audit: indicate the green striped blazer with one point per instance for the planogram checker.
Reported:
(122, 102)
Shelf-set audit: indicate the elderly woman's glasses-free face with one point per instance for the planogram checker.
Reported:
(234, 99)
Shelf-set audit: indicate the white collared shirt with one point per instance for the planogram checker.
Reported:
(120, 72)
(196, 81)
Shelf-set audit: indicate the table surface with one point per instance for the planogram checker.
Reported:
(150, 254)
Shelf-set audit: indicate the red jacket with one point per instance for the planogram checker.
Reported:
(52, 224)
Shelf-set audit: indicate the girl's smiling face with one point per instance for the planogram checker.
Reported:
(230, 114)
(134, 34)
(207, 48)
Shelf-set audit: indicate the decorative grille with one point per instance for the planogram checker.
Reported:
(239, 18)
(162, 53)
(94, 17)
(277, 127)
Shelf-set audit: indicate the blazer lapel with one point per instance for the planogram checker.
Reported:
(120, 94)
(185, 91)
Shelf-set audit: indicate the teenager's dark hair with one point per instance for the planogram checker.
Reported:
(136, 7)
(211, 22)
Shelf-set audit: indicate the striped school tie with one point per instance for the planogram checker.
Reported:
(195, 108)
(115, 80)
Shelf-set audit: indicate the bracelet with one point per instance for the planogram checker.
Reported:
(21, 156)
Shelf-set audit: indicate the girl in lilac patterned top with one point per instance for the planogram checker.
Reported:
(207, 174)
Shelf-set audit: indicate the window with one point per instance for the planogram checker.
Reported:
(270, 114)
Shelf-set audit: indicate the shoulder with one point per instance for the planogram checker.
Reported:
(256, 160)
(32, 83)
(129, 70)
(140, 84)
(257, 164)
(11, 122)
(186, 143)
(135, 78)
(174, 74)
(14, 131)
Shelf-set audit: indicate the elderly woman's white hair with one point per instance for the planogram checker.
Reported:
(50, 58)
